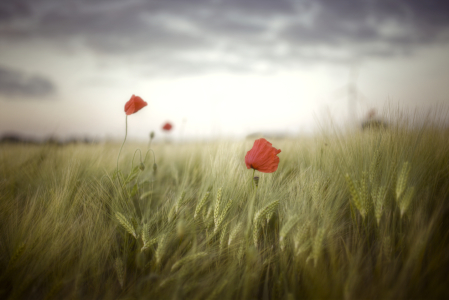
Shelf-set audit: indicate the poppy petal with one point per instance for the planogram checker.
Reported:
(134, 105)
(262, 157)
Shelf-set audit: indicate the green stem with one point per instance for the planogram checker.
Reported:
(126, 134)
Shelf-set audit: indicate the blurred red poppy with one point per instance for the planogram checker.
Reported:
(167, 127)
(262, 157)
(134, 105)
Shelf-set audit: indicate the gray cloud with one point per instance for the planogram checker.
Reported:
(177, 36)
(14, 83)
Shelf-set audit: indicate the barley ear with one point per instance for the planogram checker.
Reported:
(354, 195)
(223, 215)
(316, 193)
(186, 259)
(402, 180)
(286, 229)
(234, 232)
(161, 248)
(374, 168)
(200, 205)
(147, 242)
(217, 290)
(120, 269)
(406, 200)
(317, 245)
(300, 239)
(223, 237)
(126, 224)
(365, 197)
(15, 257)
(173, 213)
(217, 206)
(379, 202)
(268, 209)
(240, 254)
(145, 233)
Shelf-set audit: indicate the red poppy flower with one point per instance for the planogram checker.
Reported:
(167, 127)
(262, 157)
(134, 105)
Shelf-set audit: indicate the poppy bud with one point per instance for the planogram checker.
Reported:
(142, 167)
(256, 180)
(151, 135)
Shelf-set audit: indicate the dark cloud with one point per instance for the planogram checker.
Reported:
(10, 9)
(14, 83)
(171, 34)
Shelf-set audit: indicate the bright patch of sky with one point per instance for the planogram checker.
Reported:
(215, 68)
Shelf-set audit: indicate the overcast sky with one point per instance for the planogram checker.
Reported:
(215, 67)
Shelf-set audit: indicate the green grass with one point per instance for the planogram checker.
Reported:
(354, 215)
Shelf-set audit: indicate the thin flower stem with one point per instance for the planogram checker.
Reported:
(126, 134)
(254, 171)
(146, 154)
(132, 162)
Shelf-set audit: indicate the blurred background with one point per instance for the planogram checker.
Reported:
(215, 69)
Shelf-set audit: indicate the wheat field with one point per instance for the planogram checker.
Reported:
(349, 214)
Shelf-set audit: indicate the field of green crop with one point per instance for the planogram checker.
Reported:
(353, 215)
